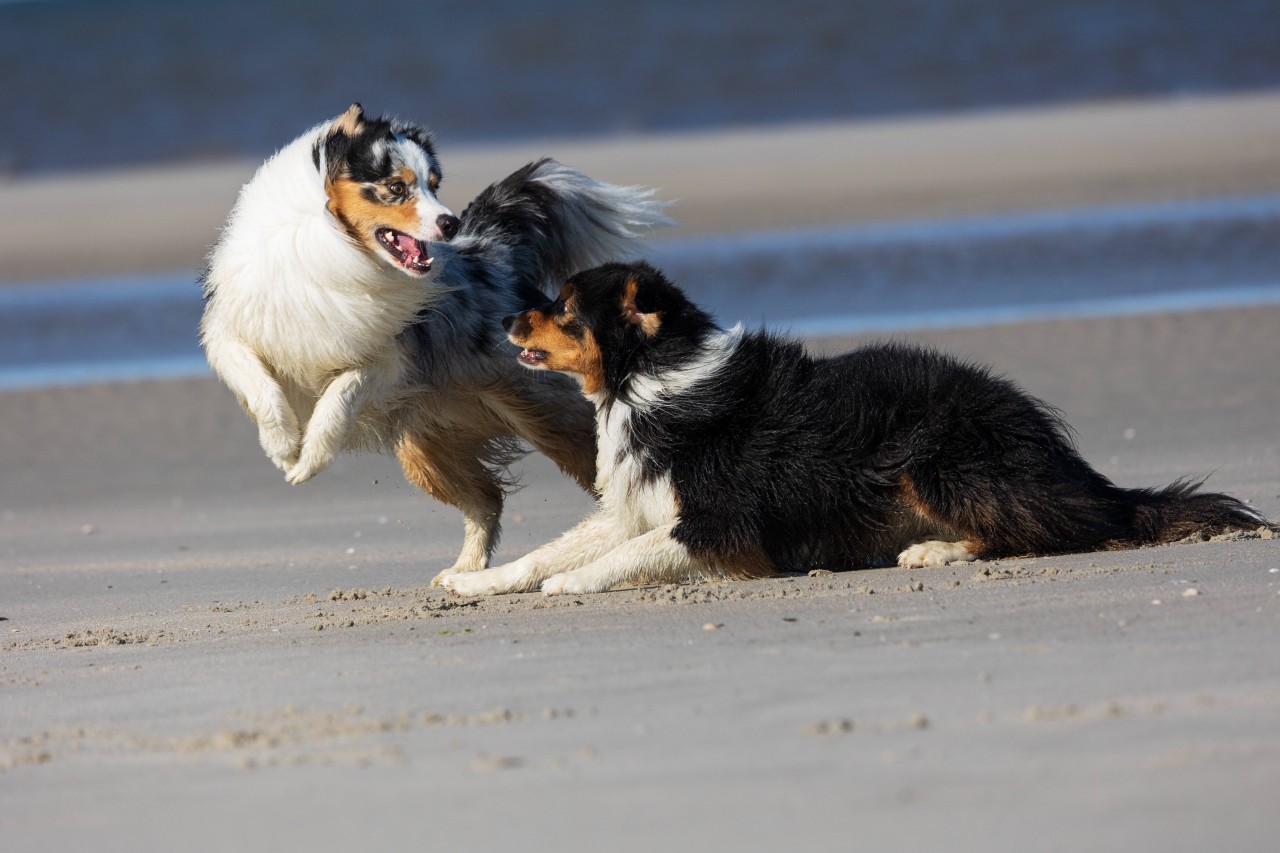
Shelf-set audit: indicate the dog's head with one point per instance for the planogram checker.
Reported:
(381, 178)
(610, 323)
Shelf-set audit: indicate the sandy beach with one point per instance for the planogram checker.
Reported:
(195, 655)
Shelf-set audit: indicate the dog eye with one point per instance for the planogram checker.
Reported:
(397, 188)
(433, 181)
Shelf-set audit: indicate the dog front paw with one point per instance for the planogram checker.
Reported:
(444, 575)
(462, 567)
(281, 446)
(571, 583)
(307, 466)
(470, 583)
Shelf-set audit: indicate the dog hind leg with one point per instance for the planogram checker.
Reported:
(457, 476)
(946, 518)
(1047, 501)
(936, 553)
(551, 414)
(572, 449)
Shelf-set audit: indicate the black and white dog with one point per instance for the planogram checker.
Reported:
(348, 309)
(733, 454)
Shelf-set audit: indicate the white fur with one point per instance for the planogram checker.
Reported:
(628, 508)
(935, 554)
(293, 313)
(652, 555)
(715, 352)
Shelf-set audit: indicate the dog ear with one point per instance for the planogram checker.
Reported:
(337, 145)
(647, 323)
(350, 122)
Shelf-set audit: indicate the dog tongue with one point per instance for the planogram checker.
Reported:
(408, 246)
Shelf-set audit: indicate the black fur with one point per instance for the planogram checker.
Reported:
(512, 243)
(528, 216)
(353, 154)
(514, 240)
(521, 214)
(810, 461)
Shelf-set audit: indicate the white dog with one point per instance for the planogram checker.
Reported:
(348, 309)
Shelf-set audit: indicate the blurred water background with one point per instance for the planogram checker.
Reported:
(96, 85)
(92, 83)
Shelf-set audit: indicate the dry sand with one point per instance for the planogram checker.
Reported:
(195, 655)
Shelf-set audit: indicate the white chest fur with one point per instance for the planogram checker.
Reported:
(635, 503)
(290, 284)
(638, 503)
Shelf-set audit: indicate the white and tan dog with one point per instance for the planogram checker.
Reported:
(348, 309)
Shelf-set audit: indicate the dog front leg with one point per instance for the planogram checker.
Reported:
(589, 540)
(331, 422)
(652, 556)
(261, 397)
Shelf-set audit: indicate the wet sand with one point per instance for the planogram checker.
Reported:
(163, 219)
(192, 649)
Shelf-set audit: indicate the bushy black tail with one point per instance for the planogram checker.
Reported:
(999, 467)
(1181, 510)
(556, 221)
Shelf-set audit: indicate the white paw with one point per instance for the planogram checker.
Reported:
(570, 583)
(459, 568)
(307, 466)
(439, 579)
(934, 554)
(284, 463)
(470, 583)
(280, 445)
(556, 584)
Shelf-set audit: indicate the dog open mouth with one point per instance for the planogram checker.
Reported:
(533, 357)
(405, 250)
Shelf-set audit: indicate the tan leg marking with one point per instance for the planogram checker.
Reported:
(455, 475)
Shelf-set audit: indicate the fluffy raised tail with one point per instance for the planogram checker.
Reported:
(1181, 510)
(556, 221)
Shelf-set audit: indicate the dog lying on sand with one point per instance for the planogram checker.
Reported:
(728, 454)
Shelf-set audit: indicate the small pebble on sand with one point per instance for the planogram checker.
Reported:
(1190, 593)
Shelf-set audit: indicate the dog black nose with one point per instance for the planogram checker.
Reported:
(509, 321)
(448, 225)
